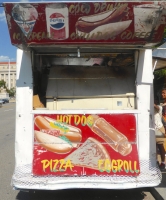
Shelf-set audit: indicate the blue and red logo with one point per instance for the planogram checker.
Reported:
(57, 21)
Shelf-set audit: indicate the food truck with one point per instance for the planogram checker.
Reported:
(84, 93)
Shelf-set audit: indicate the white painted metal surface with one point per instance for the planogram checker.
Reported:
(144, 86)
(23, 177)
(24, 133)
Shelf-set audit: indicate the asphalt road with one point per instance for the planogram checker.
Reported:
(7, 118)
(7, 130)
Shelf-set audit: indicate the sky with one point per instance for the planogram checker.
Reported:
(7, 50)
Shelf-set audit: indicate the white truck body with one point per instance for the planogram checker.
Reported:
(75, 78)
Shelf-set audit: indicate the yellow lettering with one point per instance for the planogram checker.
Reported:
(69, 118)
(100, 164)
(39, 36)
(62, 161)
(69, 165)
(76, 119)
(88, 36)
(83, 120)
(99, 35)
(81, 36)
(107, 165)
(114, 166)
(65, 119)
(109, 7)
(85, 8)
(55, 165)
(142, 34)
(33, 35)
(71, 9)
(147, 34)
(126, 166)
(45, 163)
(16, 36)
(73, 36)
(119, 164)
(97, 7)
(44, 35)
(59, 118)
(123, 35)
(77, 8)
(130, 167)
(136, 34)
(135, 167)
(103, 6)
(129, 35)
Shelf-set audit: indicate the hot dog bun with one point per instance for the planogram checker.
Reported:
(89, 154)
(103, 31)
(52, 143)
(70, 132)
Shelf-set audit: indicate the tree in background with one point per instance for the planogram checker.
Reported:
(2, 85)
(161, 73)
(11, 92)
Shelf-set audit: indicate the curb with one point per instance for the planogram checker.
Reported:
(12, 101)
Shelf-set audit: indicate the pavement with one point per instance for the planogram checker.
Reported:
(159, 192)
(12, 100)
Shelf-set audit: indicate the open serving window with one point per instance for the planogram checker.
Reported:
(85, 80)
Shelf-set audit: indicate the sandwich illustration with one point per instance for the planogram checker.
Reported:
(71, 133)
(55, 136)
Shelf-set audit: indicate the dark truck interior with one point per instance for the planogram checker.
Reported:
(84, 78)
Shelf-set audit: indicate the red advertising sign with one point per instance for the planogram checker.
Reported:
(103, 144)
(86, 22)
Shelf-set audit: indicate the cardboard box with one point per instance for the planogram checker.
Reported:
(36, 102)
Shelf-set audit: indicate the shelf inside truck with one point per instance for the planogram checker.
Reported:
(90, 87)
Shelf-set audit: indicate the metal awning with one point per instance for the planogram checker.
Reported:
(85, 23)
(159, 57)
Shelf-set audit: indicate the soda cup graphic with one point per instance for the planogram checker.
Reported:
(57, 21)
(146, 18)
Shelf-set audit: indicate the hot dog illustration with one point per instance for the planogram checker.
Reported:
(103, 25)
(53, 143)
(73, 134)
(88, 23)
(110, 134)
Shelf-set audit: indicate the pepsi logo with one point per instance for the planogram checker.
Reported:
(57, 21)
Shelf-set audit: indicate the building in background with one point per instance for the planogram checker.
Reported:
(8, 73)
